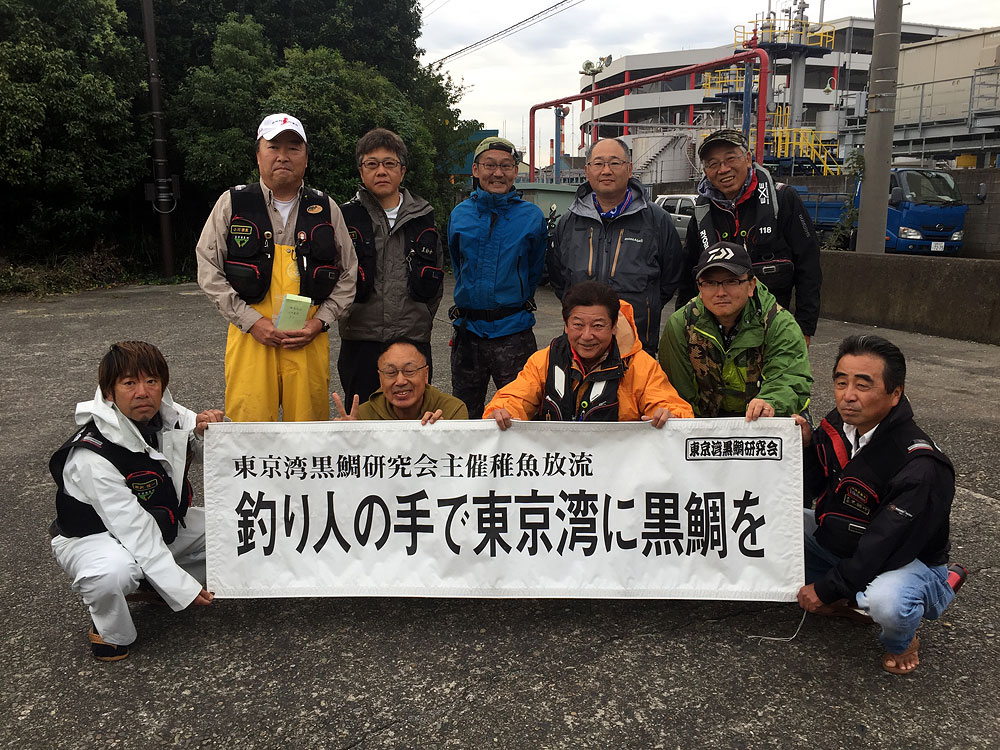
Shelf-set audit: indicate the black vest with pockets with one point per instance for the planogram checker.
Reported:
(424, 276)
(856, 486)
(250, 245)
(144, 476)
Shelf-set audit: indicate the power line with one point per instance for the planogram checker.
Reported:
(510, 30)
(427, 13)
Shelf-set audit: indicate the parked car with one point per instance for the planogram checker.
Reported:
(680, 208)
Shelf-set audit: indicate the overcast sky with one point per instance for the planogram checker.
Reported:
(542, 62)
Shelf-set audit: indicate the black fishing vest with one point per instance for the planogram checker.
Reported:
(759, 233)
(424, 276)
(856, 486)
(563, 384)
(144, 476)
(250, 245)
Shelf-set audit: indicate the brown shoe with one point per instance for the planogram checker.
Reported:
(104, 651)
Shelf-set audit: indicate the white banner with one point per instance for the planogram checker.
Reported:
(701, 509)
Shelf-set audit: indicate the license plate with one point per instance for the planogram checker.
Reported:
(937, 247)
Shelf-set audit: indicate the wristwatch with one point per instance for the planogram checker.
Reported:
(324, 326)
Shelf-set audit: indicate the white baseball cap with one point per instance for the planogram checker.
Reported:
(271, 125)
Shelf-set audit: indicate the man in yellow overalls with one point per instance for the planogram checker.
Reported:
(264, 241)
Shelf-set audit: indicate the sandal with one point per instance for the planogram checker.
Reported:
(911, 650)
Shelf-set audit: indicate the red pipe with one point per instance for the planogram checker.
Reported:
(763, 72)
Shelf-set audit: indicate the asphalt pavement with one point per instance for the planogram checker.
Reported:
(444, 673)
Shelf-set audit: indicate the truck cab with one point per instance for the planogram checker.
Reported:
(926, 212)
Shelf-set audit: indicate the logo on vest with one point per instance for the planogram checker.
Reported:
(241, 233)
(315, 208)
(762, 195)
(143, 484)
(857, 499)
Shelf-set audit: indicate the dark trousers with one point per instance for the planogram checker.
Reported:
(357, 365)
(474, 360)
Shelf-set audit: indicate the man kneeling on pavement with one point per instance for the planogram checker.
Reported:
(878, 538)
(404, 391)
(596, 371)
(733, 351)
(123, 499)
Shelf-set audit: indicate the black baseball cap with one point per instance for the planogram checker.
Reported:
(726, 135)
(726, 255)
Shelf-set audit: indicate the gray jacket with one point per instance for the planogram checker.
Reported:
(638, 254)
(391, 312)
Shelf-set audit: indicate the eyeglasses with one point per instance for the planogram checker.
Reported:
(614, 164)
(392, 372)
(492, 166)
(730, 161)
(372, 164)
(728, 284)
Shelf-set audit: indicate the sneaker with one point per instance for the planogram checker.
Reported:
(105, 651)
(956, 576)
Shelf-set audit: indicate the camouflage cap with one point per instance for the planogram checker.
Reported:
(498, 144)
(726, 135)
(726, 255)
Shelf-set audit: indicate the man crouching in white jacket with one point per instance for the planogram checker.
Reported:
(123, 499)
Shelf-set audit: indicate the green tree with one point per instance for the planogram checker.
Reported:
(218, 106)
(68, 85)
(339, 101)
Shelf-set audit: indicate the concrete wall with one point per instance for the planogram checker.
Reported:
(982, 224)
(952, 297)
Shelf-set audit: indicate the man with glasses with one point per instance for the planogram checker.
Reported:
(733, 350)
(399, 284)
(612, 234)
(497, 242)
(739, 202)
(404, 392)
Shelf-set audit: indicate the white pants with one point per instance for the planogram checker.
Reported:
(104, 572)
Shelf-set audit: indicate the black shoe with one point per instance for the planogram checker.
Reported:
(105, 651)
(956, 576)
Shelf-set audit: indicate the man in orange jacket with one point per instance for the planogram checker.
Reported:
(596, 371)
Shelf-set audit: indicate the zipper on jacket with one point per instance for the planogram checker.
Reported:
(618, 249)
(493, 223)
(590, 261)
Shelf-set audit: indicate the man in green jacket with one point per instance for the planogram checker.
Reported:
(733, 350)
(405, 392)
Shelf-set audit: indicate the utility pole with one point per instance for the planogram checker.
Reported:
(164, 200)
(879, 126)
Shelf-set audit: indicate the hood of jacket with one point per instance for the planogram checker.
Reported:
(118, 428)
(496, 202)
(583, 204)
(410, 206)
(627, 336)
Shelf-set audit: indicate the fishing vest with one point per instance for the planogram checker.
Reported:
(758, 232)
(708, 360)
(856, 486)
(571, 396)
(424, 276)
(250, 245)
(145, 477)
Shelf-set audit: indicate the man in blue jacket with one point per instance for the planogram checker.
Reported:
(497, 243)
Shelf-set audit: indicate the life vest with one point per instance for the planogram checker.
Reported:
(856, 486)
(144, 476)
(759, 232)
(424, 275)
(708, 361)
(572, 396)
(250, 245)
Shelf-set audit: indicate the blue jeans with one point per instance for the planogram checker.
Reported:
(896, 599)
